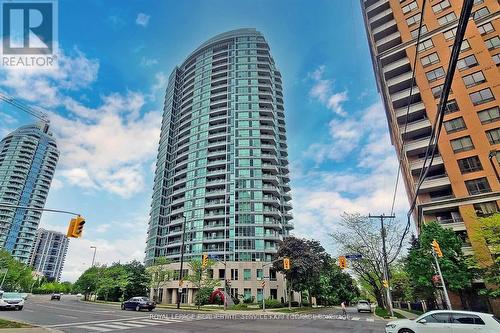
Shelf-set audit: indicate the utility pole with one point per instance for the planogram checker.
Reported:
(385, 266)
(93, 257)
(182, 264)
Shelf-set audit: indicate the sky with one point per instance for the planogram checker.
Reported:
(105, 98)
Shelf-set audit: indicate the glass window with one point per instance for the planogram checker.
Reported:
(493, 136)
(454, 125)
(414, 33)
(496, 59)
(450, 34)
(411, 6)
(467, 62)
(437, 90)
(247, 293)
(486, 28)
(425, 45)
(486, 208)
(470, 164)
(451, 106)
(438, 318)
(435, 74)
(480, 13)
(478, 186)
(493, 43)
(474, 79)
(481, 96)
(247, 274)
(430, 59)
(447, 18)
(260, 273)
(462, 144)
(463, 47)
(413, 19)
(439, 7)
(489, 115)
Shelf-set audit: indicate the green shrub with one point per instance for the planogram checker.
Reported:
(249, 300)
(240, 306)
(272, 304)
(202, 296)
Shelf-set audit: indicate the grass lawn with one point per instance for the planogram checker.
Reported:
(385, 314)
(12, 324)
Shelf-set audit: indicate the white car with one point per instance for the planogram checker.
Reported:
(446, 321)
(364, 306)
(11, 301)
(79, 295)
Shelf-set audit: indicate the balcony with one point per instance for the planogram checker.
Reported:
(389, 25)
(415, 128)
(418, 164)
(388, 42)
(376, 5)
(402, 96)
(416, 109)
(402, 64)
(380, 16)
(417, 146)
(434, 184)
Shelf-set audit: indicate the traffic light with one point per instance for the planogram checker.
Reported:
(342, 262)
(75, 228)
(436, 248)
(286, 263)
(204, 260)
(385, 283)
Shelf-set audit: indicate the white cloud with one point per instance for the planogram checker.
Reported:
(321, 194)
(105, 147)
(147, 62)
(142, 19)
(323, 91)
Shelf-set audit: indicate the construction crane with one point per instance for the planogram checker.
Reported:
(23, 107)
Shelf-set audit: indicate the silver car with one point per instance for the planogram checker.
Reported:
(364, 306)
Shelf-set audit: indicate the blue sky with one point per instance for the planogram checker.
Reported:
(105, 103)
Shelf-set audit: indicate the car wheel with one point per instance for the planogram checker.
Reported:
(150, 309)
(405, 330)
(359, 311)
(137, 308)
(123, 307)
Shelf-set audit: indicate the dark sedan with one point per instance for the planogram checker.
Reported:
(138, 303)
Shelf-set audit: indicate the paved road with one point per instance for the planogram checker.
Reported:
(71, 315)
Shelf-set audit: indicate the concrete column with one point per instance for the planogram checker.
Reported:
(190, 296)
(174, 296)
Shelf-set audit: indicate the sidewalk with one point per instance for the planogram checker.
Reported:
(407, 314)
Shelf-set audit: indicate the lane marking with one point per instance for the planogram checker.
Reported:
(151, 322)
(94, 328)
(96, 322)
(370, 319)
(113, 326)
(133, 324)
(356, 318)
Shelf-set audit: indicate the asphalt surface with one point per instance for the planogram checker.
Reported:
(74, 316)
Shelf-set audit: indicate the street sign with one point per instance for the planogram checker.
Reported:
(180, 290)
(354, 256)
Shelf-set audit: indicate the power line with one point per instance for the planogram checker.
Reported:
(23, 107)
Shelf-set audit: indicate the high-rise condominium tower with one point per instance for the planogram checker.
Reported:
(222, 168)
(49, 253)
(463, 182)
(28, 158)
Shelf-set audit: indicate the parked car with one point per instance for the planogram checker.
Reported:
(138, 303)
(11, 301)
(55, 296)
(79, 295)
(444, 321)
(364, 306)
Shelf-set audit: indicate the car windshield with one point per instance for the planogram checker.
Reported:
(144, 299)
(11, 296)
(363, 303)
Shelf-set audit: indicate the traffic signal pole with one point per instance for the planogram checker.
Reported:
(39, 209)
(446, 298)
(385, 266)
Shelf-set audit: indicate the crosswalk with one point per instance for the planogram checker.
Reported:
(360, 319)
(118, 325)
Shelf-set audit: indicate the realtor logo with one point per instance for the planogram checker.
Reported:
(28, 28)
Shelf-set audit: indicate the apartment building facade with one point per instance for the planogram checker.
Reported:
(49, 253)
(463, 182)
(28, 159)
(222, 175)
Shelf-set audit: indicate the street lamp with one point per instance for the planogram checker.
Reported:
(93, 258)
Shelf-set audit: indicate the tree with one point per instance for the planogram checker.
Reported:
(138, 280)
(488, 230)
(18, 275)
(112, 278)
(87, 282)
(201, 281)
(420, 262)
(158, 273)
(401, 285)
(335, 286)
(358, 234)
(307, 260)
